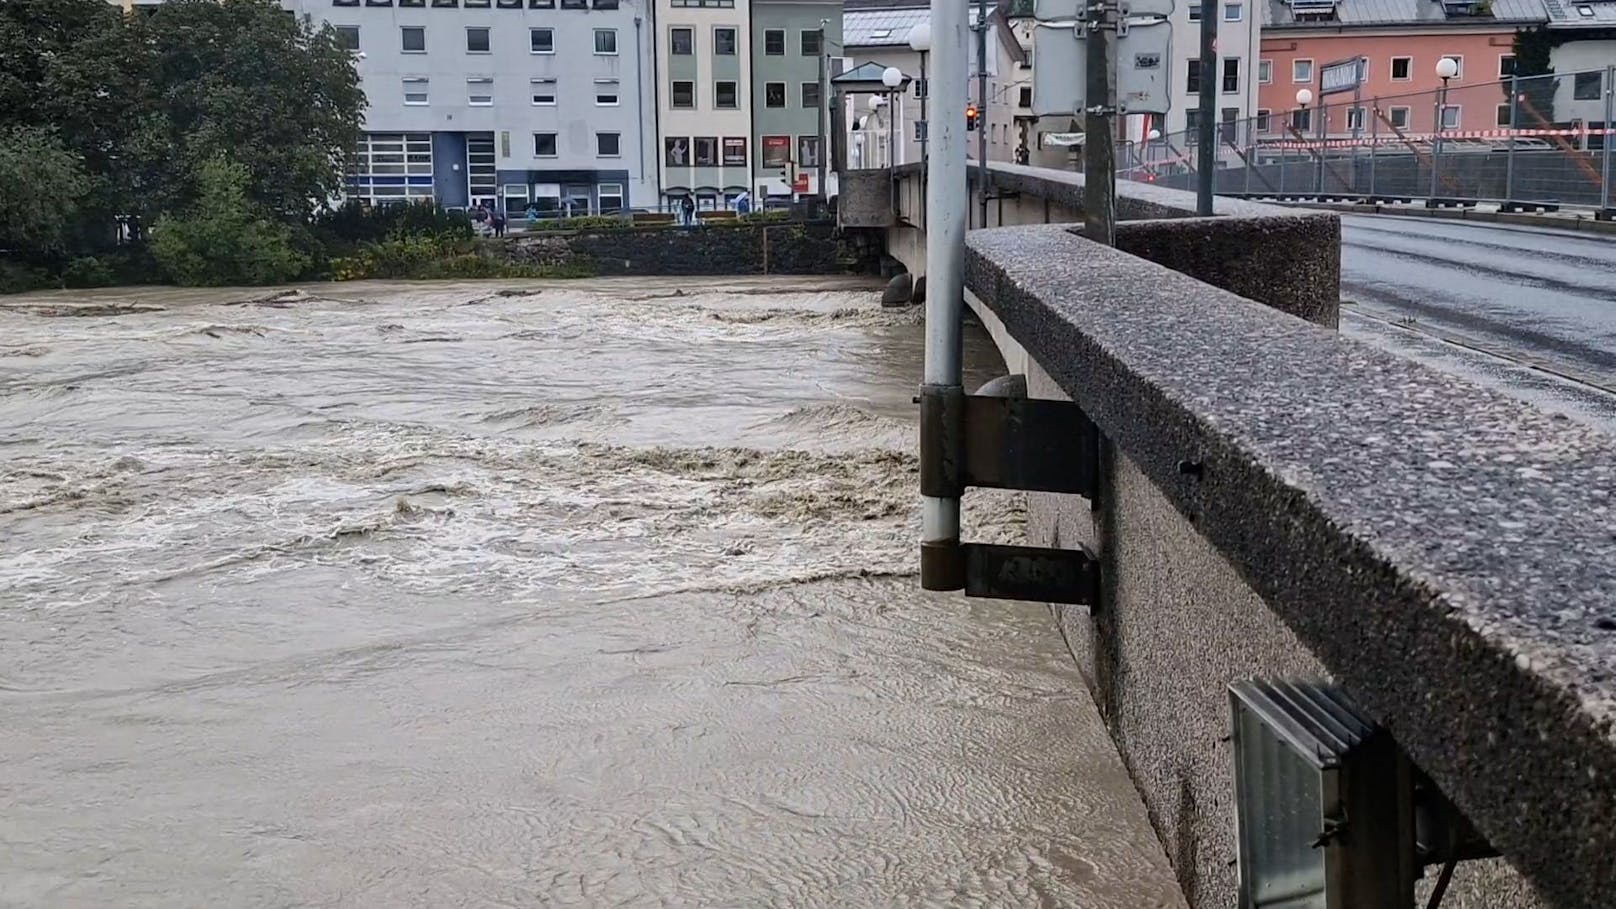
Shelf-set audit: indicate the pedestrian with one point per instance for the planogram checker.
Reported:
(743, 203)
(497, 218)
(687, 207)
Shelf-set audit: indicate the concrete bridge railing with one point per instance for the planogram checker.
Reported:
(1277, 500)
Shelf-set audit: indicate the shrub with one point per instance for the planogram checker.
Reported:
(427, 258)
(585, 222)
(343, 230)
(88, 271)
(225, 239)
(765, 217)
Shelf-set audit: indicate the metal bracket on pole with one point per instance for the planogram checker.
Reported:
(996, 442)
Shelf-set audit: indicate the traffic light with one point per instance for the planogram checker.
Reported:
(970, 117)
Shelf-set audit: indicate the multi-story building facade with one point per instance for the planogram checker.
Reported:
(1401, 42)
(541, 102)
(705, 144)
(790, 82)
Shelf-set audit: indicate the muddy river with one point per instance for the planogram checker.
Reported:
(590, 594)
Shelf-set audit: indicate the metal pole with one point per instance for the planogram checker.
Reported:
(1374, 142)
(982, 102)
(925, 90)
(1604, 144)
(947, 200)
(824, 192)
(1436, 139)
(1206, 149)
(1322, 131)
(1099, 154)
(1357, 128)
(1514, 123)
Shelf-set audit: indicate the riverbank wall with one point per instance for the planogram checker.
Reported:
(721, 249)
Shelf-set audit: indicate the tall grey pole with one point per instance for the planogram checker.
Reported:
(982, 103)
(1604, 145)
(1374, 142)
(1436, 138)
(824, 191)
(947, 201)
(1206, 139)
(925, 91)
(1514, 123)
(1099, 147)
(1322, 130)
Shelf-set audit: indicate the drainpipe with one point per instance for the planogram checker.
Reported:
(947, 202)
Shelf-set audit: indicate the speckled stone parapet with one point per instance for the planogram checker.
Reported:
(1448, 553)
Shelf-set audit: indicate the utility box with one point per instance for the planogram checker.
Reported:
(1323, 801)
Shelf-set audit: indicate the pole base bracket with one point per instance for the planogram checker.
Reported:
(989, 571)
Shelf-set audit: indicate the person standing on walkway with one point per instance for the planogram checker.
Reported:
(687, 207)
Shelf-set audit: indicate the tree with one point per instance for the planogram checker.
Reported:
(243, 79)
(1534, 108)
(41, 183)
(226, 238)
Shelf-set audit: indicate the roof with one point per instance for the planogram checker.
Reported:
(1581, 13)
(865, 74)
(1367, 13)
(883, 27)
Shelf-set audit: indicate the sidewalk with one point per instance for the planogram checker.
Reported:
(1563, 219)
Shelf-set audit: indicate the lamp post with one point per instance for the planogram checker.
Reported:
(920, 43)
(1304, 97)
(892, 77)
(1446, 68)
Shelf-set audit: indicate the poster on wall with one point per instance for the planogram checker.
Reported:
(776, 151)
(677, 151)
(734, 151)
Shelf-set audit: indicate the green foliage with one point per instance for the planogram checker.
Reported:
(226, 238)
(587, 222)
(342, 230)
(40, 185)
(765, 217)
(1534, 108)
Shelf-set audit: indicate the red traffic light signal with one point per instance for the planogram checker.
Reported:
(970, 117)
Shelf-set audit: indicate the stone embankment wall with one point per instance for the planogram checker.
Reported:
(785, 248)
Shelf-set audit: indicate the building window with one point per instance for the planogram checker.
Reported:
(706, 151)
(1192, 77)
(477, 40)
(1301, 120)
(920, 130)
(541, 40)
(808, 151)
(682, 41)
(544, 145)
(1024, 96)
(724, 41)
(1195, 13)
(606, 41)
(417, 4)
(684, 95)
(776, 151)
(1234, 12)
(412, 38)
(415, 91)
(1264, 120)
(608, 145)
(1402, 69)
(1355, 121)
(1398, 117)
(1458, 62)
(1504, 114)
(390, 167)
(471, 4)
(810, 43)
(541, 4)
(480, 91)
(574, 4)
(1506, 65)
(1450, 116)
(810, 95)
(1301, 71)
(449, 4)
(610, 194)
(1265, 72)
(676, 151)
(1192, 121)
(606, 93)
(774, 42)
(774, 94)
(344, 2)
(605, 4)
(1587, 86)
(734, 151)
(544, 92)
(348, 36)
(1231, 76)
(726, 96)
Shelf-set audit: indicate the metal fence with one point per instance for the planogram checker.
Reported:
(1526, 142)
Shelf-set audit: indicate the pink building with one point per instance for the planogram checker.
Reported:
(1401, 42)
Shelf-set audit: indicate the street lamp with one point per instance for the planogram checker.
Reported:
(1446, 68)
(892, 77)
(920, 43)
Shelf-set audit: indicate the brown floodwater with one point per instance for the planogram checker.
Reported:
(573, 594)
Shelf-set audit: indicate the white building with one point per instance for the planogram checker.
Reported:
(704, 100)
(545, 102)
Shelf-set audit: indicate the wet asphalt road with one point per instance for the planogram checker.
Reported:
(1531, 312)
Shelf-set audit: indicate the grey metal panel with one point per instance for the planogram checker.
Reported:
(1389, 12)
